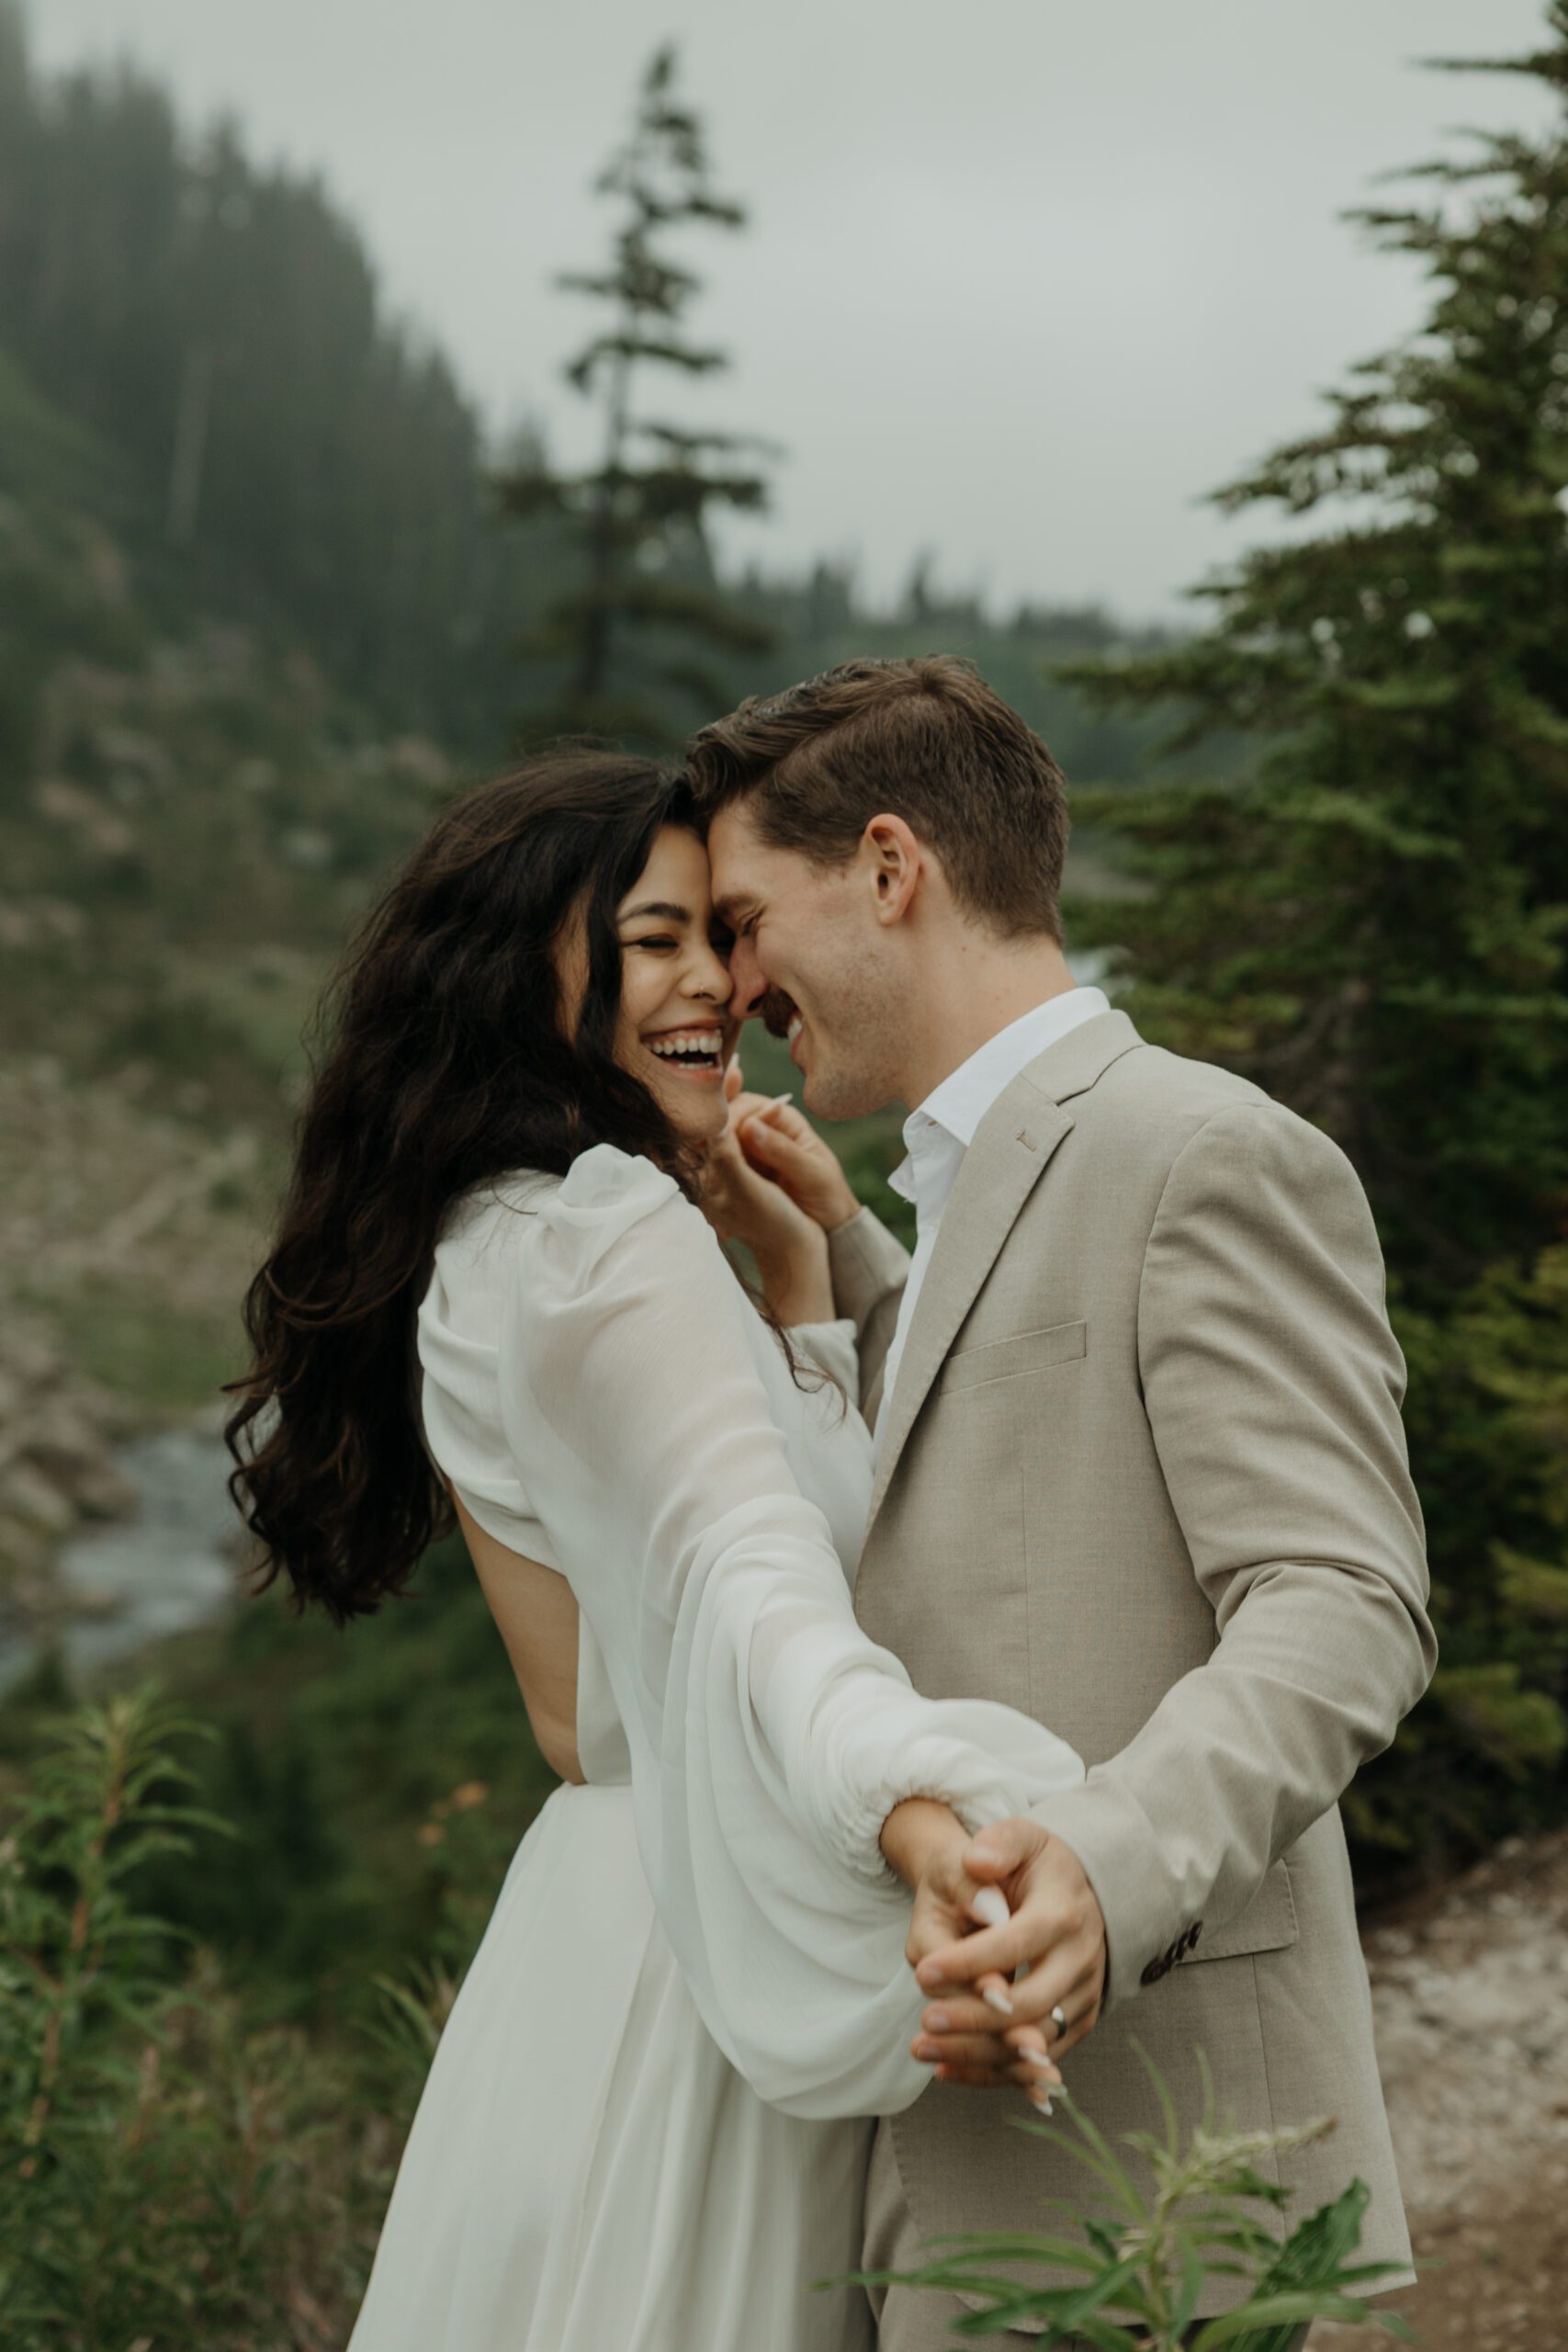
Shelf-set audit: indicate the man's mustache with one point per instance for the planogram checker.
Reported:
(776, 1012)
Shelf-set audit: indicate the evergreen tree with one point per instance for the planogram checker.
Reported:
(1372, 920)
(634, 630)
(14, 75)
(219, 325)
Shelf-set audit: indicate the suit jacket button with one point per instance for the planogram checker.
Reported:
(1155, 1971)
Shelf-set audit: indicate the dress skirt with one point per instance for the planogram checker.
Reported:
(586, 2172)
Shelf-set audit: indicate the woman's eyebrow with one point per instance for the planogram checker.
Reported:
(661, 908)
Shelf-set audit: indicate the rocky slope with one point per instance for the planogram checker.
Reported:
(126, 1239)
(1469, 1986)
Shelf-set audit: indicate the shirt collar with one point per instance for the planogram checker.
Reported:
(958, 1106)
(963, 1098)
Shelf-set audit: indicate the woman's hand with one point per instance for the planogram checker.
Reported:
(926, 1845)
(780, 1141)
(744, 1204)
(1042, 1939)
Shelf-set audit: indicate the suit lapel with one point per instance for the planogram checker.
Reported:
(999, 1172)
(1012, 1147)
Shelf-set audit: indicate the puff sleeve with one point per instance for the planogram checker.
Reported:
(769, 1737)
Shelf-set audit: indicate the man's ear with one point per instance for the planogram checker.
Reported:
(897, 861)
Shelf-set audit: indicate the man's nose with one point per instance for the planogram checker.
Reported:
(746, 974)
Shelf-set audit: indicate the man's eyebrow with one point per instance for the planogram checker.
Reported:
(730, 909)
(660, 907)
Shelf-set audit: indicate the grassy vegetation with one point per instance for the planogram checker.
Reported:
(377, 1781)
(179, 2174)
(1160, 2230)
(169, 1358)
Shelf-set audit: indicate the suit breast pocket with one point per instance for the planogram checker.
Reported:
(1060, 1345)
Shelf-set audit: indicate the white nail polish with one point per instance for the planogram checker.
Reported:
(996, 1999)
(1036, 2058)
(1041, 2106)
(991, 1907)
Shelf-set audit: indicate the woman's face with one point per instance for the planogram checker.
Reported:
(676, 1034)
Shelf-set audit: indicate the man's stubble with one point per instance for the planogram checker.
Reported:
(859, 1035)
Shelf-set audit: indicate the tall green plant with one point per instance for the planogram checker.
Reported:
(1137, 2276)
(634, 637)
(156, 2175)
(1372, 922)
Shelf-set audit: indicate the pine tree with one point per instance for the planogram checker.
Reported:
(14, 71)
(636, 629)
(1372, 920)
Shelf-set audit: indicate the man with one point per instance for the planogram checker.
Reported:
(1141, 1470)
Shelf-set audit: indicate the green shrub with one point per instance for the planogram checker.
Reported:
(171, 2176)
(347, 1764)
(1139, 2274)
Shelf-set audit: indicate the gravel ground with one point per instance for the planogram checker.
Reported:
(1469, 1986)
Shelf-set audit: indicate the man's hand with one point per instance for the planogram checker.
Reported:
(1054, 1930)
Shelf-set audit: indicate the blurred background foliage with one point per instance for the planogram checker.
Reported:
(1369, 916)
(266, 596)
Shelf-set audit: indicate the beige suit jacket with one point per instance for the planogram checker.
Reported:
(1143, 1477)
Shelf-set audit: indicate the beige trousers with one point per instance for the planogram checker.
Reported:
(916, 2319)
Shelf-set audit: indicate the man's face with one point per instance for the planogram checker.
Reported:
(812, 963)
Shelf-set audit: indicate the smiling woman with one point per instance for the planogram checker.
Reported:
(677, 1029)
(513, 1000)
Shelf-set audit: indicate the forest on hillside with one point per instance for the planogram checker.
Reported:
(264, 586)
(267, 594)
(293, 457)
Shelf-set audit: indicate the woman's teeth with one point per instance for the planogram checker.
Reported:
(797, 1023)
(691, 1048)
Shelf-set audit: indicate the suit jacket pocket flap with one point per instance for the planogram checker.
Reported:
(1006, 1359)
(1267, 1923)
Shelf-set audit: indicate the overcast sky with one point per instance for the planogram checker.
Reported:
(1024, 278)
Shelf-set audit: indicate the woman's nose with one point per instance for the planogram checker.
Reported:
(711, 980)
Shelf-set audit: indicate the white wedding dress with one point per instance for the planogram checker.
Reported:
(645, 2129)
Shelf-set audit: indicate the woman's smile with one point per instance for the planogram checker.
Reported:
(697, 1054)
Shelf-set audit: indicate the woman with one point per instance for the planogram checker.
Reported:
(644, 2126)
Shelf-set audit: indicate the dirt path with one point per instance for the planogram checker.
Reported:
(1470, 1989)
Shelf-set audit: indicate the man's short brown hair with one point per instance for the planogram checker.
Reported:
(924, 739)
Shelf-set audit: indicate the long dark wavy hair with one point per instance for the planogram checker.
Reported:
(443, 1062)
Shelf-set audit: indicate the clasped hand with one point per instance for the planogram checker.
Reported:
(1006, 1931)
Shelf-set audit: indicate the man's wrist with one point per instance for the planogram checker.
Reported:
(1112, 1843)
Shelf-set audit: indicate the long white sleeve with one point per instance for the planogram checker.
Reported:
(769, 1738)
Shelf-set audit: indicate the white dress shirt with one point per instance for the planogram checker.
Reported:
(938, 1133)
